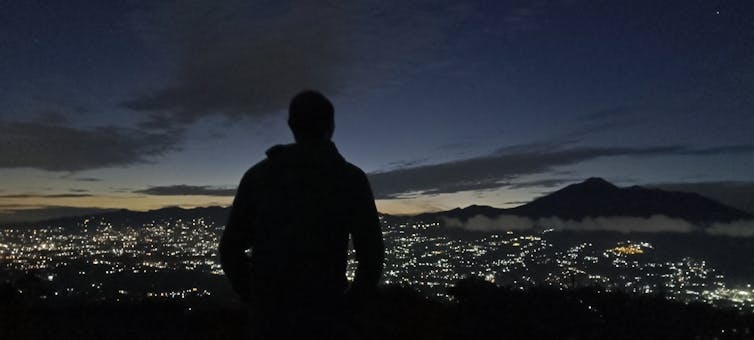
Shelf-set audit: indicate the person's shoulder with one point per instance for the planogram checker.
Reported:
(257, 167)
(353, 169)
(257, 170)
(354, 172)
(278, 151)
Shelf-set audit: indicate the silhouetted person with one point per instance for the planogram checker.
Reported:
(295, 210)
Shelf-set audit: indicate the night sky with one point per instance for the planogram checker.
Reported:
(141, 105)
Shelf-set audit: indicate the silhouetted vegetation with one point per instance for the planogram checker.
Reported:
(478, 310)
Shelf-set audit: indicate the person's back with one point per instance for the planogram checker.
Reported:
(296, 210)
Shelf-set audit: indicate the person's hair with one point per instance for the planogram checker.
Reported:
(311, 116)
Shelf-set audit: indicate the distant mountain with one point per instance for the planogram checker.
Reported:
(125, 217)
(597, 197)
(466, 213)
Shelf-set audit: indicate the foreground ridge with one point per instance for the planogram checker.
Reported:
(478, 310)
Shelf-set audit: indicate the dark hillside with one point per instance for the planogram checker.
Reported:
(480, 311)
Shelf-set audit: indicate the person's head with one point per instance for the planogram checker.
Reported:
(311, 117)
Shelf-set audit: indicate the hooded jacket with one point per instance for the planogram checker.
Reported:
(295, 210)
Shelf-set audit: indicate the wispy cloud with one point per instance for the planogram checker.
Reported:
(66, 148)
(45, 196)
(87, 179)
(606, 120)
(736, 228)
(652, 224)
(186, 190)
(543, 183)
(516, 202)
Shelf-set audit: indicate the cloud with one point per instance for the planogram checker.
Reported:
(87, 179)
(516, 202)
(736, 228)
(237, 65)
(484, 223)
(652, 224)
(610, 114)
(53, 117)
(726, 149)
(621, 224)
(499, 168)
(606, 120)
(543, 183)
(186, 190)
(66, 148)
(407, 163)
(45, 196)
(249, 58)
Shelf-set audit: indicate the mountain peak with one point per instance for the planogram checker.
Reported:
(597, 182)
(476, 206)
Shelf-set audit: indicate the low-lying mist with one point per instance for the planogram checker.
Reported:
(622, 224)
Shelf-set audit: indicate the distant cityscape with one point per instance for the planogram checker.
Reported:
(177, 259)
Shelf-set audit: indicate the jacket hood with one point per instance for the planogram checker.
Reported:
(312, 152)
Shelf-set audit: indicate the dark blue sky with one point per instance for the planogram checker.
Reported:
(446, 103)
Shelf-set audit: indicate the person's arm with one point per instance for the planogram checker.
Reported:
(367, 242)
(235, 240)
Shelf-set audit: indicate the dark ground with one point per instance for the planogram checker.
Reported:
(480, 311)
